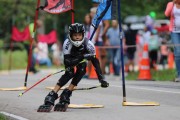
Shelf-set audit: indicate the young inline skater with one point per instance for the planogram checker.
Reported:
(76, 48)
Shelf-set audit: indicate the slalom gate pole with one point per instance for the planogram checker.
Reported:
(31, 42)
(11, 47)
(10, 55)
(125, 103)
(121, 47)
(72, 11)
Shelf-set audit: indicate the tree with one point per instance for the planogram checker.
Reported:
(22, 12)
(15, 12)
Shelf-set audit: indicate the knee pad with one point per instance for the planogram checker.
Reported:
(65, 78)
(81, 71)
(82, 67)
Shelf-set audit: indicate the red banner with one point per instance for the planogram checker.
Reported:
(19, 36)
(48, 38)
(164, 28)
(57, 6)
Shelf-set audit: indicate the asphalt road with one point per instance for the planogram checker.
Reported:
(167, 94)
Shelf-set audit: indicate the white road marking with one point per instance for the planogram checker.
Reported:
(13, 116)
(142, 88)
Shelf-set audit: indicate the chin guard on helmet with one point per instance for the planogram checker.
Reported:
(76, 28)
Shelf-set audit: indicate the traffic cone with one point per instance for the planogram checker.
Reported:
(111, 70)
(92, 72)
(144, 71)
(171, 60)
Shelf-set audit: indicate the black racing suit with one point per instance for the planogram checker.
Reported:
(73, 56)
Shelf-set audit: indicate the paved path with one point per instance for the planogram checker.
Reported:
(165, 93)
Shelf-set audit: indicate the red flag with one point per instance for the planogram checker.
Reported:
(49, 38)
(56, 6)
(19, 36)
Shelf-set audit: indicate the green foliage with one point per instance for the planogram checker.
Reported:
(1, 43)
(143, 7)
(14, 12)
(22, 12)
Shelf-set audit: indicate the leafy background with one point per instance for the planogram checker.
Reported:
(21, 13)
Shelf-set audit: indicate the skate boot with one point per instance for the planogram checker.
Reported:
(64, 101)
(48, 102)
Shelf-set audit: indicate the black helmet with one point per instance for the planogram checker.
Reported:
(76, 28)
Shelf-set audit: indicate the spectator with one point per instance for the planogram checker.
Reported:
(103, 53)
(42, 54)
(87, 24)
(27, 48)
(164, 53)
(130, 41)
(98, 38)
(149, 21)
(146, 36)
(56, 54)
(113, 38)
(139, 47)
(173, 11)
(153, 48)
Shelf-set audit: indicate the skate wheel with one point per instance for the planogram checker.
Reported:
(57, 107)
(45, 108)
(61, 107)
(65, 108)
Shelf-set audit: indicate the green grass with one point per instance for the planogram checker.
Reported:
(1, 43)
(161, 75)
(18, 59)
(3, 117)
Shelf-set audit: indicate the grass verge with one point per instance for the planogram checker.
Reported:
(17, 60)
(3, 117)
(161, 75)
(14, 60)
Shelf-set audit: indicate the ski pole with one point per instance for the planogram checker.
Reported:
(87, 88)
(46, 78)
(39, 82)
